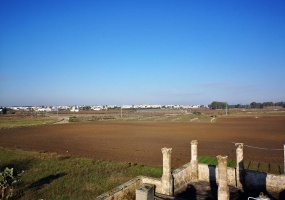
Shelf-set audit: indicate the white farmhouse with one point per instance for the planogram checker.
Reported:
(74, 109)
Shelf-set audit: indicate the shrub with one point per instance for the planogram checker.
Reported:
(73, 119)
(196, 113)
(7, 181)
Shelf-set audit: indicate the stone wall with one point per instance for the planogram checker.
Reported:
(272, 182)
(205, 173)
(210, 173)
(154, 181)
(275, 183)
(181, 176)
(128, 189)
(124, 191)
(192, 171)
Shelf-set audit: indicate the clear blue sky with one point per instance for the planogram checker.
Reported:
(55, 52)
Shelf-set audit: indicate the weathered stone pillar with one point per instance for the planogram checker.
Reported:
(239, 165)
(223, 189)
(166, 179)
(194, 160)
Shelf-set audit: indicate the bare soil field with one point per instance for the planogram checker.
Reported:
(141, 142)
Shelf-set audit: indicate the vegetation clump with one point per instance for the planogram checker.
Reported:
(58, 177)
(7, 181)
(73, 119)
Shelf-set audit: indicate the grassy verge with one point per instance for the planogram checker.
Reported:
(53, 176)
(12, 121)
(250, 165)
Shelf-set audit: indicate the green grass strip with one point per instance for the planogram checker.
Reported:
(258, 166)
(52, 176)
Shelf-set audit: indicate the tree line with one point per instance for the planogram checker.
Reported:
(223, 105)
(266, 104)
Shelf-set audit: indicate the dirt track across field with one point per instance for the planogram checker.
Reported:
(141, 142)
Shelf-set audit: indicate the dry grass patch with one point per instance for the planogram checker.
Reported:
(48, 176)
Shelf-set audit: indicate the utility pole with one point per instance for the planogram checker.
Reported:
(121, 111)
(226, 109)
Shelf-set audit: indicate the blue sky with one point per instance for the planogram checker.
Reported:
(58, 52)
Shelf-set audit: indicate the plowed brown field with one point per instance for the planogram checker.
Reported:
(140, 142)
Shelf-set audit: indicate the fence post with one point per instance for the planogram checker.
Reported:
(194, 160)
(284, 154)
(239, 165)
(166, 179)
(223, 189)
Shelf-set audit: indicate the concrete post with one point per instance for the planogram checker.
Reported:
(239, 165)
(166, 179)
(145, 192)
(223, 189)
(194, 160)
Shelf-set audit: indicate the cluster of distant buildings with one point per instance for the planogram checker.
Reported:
(100, 107)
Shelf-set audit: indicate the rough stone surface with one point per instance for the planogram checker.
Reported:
(223, 189)
(239, 165)
(124, 191)
(154, 181)
(181, 176)
(145, 192)
(166, 179)
(194, 160)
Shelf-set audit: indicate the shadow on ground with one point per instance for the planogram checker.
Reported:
(46, 180)
(18, 165)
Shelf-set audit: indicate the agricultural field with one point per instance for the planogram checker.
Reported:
(66, 152)
(110, 137)
(167, 115)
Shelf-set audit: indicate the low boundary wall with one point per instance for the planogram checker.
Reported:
(181, 176)
(124, 191)
(128, 190)
(193, 171)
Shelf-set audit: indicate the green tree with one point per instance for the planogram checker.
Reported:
(256, 105)
(4, 110)
(86, 108)
(217, 105)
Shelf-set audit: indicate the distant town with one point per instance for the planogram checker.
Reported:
(99, 107)
(76, 108)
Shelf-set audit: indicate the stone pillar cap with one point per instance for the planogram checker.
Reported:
(219, 157)
(166, 150)
(194, 142)
(240, 145)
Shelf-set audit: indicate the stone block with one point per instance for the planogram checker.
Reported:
(145, 192)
